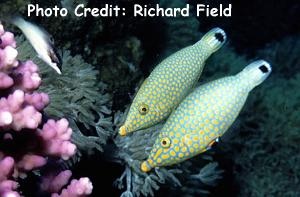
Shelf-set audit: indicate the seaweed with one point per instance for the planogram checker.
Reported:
(76, 95)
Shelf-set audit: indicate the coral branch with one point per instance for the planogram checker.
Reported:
(28, 139)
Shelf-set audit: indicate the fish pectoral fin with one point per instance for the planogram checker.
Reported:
(188, 139)
(160, 109)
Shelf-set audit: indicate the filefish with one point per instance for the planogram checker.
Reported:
(41, 41)
(170, 82)
(203, 116)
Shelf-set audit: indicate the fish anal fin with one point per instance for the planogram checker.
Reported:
(215, 140)
(211, 143)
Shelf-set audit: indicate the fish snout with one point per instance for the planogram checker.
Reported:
(122, 131)
(145, 166)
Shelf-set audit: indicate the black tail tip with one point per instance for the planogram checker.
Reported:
(220, 37)
(264, 69)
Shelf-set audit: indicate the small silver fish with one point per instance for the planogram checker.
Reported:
(41, 41)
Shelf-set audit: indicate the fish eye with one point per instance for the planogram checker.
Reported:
(143, 109)
(165, 142)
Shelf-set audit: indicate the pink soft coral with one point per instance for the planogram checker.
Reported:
(21, 117)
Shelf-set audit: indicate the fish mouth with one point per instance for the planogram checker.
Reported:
(145, 166)
(122, 131)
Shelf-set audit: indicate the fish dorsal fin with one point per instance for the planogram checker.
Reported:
(172, 111)
(143, 84)
(138, 88)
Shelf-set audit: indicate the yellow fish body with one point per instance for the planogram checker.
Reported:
(203, 116)
(170, 82)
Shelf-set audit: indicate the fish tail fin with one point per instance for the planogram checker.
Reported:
(256, 72)
(214, 39)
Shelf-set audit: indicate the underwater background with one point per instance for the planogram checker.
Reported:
(105, 60)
